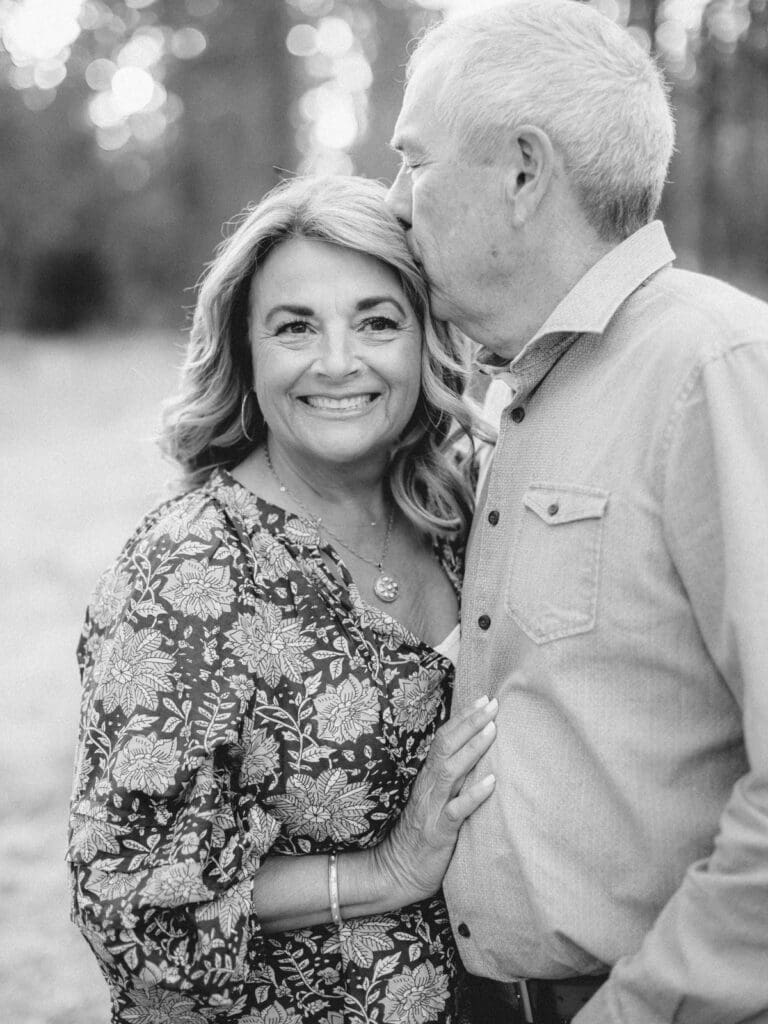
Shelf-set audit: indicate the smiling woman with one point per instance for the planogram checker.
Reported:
(336, 350)
(265, 796)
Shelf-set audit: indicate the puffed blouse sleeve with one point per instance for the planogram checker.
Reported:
(164, 842)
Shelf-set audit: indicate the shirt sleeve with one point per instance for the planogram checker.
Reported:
(164, 843)
(704, 961)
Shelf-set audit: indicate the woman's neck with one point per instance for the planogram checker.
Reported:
(345, 492)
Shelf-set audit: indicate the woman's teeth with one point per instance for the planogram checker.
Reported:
(353, 402)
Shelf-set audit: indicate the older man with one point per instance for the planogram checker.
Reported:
(616, 596)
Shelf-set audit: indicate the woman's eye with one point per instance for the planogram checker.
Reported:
(293, 327)
(380, 323)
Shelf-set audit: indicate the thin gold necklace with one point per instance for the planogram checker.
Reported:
(385, 586)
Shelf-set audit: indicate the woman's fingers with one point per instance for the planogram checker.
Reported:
(417, 851)
(465, 759)
(459, 745)
(461, 727)
(470, 798)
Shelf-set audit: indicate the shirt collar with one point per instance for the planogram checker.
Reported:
(591, 304)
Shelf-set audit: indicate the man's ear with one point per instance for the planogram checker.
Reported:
(530, 172)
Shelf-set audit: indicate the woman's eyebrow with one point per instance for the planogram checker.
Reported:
(293, 310)
(377, 300)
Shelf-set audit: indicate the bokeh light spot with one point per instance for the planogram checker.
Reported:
(113, 137)
(672, 39)
(335, 121)
(641, 37)
(301, 41)
(327, 161)
(39, 30)
(610, 8)
(49, 73)
(334, 37)
(22, 78)
(353, 73)
(103, 111)
(319, 66)
(132, 90)
(99, 74)
(142, 51)
(91, 15)
(188, 43)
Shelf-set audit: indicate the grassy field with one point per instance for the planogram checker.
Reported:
(78, 467)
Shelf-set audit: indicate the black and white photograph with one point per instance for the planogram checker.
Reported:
(384, 511)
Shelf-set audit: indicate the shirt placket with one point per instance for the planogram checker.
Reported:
(494, 520)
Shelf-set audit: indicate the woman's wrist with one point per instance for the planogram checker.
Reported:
(368, 884)
(295, 892)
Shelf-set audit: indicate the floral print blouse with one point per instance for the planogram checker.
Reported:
(238, 701)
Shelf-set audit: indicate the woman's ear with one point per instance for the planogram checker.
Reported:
(529, 172)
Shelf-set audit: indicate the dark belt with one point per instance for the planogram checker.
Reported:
(531, 1002)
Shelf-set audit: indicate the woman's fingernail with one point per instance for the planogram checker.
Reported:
(489, 780)
(493, 704)
(480, 702)
(489, 729)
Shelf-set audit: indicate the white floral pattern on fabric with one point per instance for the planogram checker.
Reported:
(261, 755)
(344, 712)
(238, 700)
(204, 591)
(415, 701)
(146, 764)
(326, 807)
(270, 646)
(133, 670)
(415, 996)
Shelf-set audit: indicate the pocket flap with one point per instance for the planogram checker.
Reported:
(557, 505)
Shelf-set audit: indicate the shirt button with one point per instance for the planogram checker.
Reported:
(518, 414)
(493, 517)
(553, 509)
(463, 930)
(484, 621)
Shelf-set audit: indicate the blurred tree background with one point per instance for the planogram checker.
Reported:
(130, 130)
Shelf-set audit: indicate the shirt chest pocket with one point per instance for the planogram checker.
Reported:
(554, 574)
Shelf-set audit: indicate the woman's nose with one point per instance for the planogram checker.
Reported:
(338, 355)
(398, 198)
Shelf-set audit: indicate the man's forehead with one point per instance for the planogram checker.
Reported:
(416, 120)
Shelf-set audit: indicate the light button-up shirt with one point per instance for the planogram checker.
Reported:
(616, 603)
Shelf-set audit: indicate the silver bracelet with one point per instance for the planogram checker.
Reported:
(333, 889)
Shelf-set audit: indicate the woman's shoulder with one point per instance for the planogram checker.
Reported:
(191, 522)
(215, 531)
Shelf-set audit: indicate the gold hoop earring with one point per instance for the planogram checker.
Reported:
(243, 404)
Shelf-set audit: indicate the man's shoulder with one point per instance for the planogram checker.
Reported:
(704, 315)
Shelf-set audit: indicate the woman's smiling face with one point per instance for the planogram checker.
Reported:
(336, 349)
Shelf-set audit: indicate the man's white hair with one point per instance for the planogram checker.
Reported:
(563, 67)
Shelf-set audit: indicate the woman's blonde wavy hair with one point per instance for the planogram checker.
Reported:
(203, 427)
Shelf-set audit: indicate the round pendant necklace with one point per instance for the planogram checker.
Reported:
(386, 587)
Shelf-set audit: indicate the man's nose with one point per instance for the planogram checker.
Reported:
(399, 198)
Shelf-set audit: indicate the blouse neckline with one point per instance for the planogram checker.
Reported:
(308, 537)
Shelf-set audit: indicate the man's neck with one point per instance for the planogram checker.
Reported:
(548, 277)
